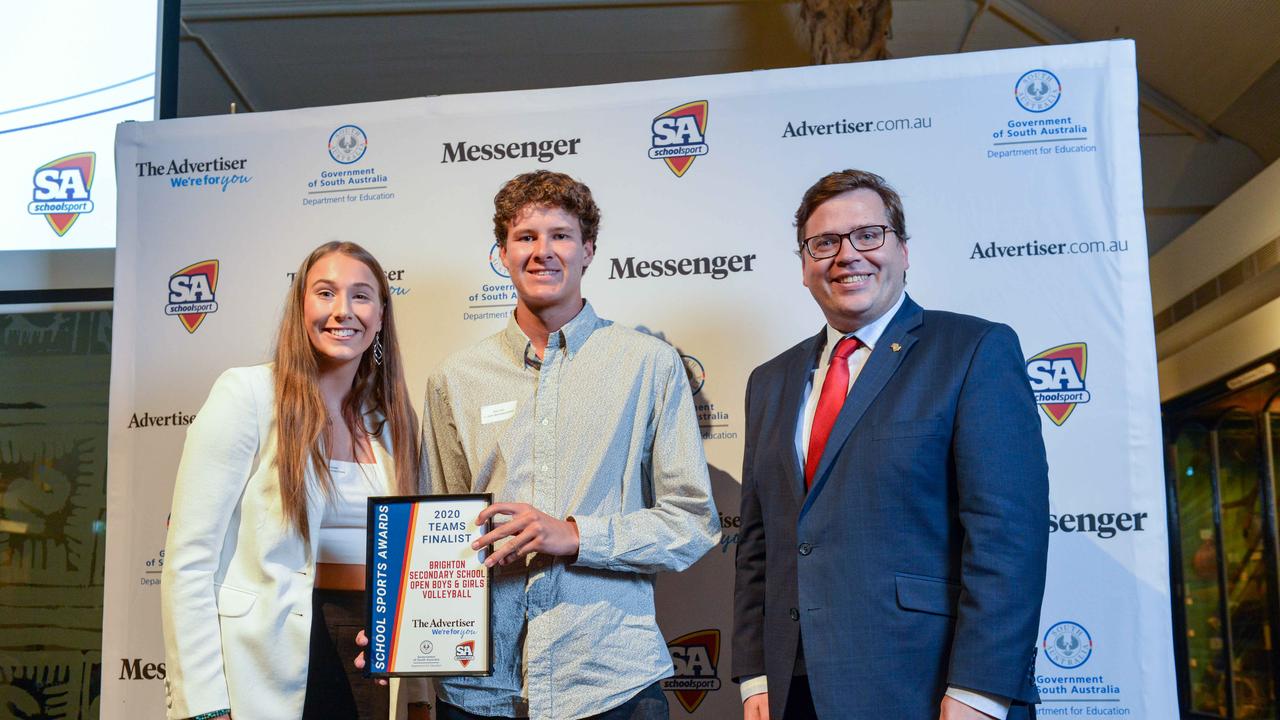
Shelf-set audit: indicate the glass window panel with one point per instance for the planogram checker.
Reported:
(1243, 542)
(54, 371)
(1205, 639)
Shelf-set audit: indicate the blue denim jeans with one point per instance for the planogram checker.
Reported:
(648, 704)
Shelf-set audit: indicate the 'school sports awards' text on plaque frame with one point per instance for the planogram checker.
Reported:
(428, 591)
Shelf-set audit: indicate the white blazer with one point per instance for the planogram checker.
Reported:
(236, 587)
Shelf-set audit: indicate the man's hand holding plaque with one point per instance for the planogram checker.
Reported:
(530, 530)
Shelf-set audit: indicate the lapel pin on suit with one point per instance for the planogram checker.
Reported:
(895, 347)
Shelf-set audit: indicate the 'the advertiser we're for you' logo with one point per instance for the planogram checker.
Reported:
(191, 293)
(1057, 379)
(679, 136)
(696, 657)
(61, 190)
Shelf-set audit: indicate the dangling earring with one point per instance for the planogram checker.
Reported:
(377, 347)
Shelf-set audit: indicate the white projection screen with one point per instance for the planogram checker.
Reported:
(71, 71)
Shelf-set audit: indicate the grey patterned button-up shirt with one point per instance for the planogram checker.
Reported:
(602, 429)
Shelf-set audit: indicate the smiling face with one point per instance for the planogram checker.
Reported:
(341, 309)
(854, 288)
(545, 255)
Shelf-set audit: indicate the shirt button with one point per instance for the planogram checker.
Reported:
(795, 614)
(544, 421)
(544, 468)
(805, 548)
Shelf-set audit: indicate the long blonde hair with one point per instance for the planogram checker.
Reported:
(378, 395)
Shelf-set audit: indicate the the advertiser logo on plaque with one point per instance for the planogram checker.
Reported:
(428, 590)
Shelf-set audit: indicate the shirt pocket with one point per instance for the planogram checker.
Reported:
(921, 593)
(234, 602)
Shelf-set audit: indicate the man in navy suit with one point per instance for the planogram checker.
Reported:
(894, 494)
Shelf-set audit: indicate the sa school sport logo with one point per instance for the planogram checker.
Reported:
(695, 657)
(191, 293)
(61, 190)
(1057, 379)
(679, 136)
(465, 652)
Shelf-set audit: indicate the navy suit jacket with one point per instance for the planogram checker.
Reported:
(917, 559)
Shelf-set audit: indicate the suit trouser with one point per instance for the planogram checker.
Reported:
(799, 700)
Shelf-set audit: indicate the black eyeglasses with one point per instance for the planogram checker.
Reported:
(863, 239)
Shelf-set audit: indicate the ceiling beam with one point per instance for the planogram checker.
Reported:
(218, 65)
(1013, 12)
(213, 10)
(1046, 31)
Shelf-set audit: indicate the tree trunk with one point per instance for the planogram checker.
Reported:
(847, 30)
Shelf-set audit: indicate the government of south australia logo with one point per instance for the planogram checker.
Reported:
(696, 372)
(1057, 379)
(191, 293)
(347, 144)
(61, 190)
(679, 135)
(1067, 645)
(465, 652)
(495, 262)
(695, 657)
(1037, 90)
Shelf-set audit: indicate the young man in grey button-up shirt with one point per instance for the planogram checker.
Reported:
(585, 433)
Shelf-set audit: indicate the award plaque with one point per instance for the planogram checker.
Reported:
(428, 591)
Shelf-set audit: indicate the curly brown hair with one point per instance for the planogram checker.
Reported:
(843, 181)
(544, 188)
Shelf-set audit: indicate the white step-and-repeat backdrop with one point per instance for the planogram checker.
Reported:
(1020, 175)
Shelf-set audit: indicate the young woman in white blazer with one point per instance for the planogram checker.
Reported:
(264, 566)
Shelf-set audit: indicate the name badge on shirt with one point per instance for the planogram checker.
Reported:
(497, 413)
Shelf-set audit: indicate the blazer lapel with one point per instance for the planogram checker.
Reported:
(315, 514)
(382, 454)
(798, 369)
(884, 361)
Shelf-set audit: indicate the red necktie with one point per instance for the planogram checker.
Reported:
(834, 389)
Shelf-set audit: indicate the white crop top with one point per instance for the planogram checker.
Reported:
(342, 534)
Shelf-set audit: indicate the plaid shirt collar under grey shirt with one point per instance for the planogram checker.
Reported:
(603, 429)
